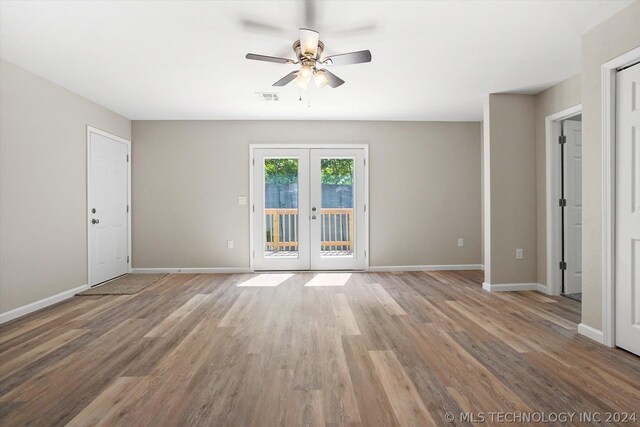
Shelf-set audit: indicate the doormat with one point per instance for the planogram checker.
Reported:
(575, 297)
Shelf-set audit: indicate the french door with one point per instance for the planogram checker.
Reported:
(309, 208)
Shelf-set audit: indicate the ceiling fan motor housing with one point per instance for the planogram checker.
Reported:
(302, 57)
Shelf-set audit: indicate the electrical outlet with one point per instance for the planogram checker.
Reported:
(460, 243)
(229, 244)
(519, 254)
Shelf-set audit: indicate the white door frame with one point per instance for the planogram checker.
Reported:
(252, 147)
(553, 130)
(91, 130)
(608, 107)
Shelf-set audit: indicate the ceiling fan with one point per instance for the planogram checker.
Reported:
(308, 50)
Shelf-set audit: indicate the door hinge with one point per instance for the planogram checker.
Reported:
(127, 208)
(365, 254)
(562, 203)
(127, 157)
(127, 259)
(254, 254)
(365, 162)
(562, 139)
(253, 162)
(365, 208)
(253, 208)
(563, 265)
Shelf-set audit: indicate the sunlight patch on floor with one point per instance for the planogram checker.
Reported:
(329, 279)
(265, 280)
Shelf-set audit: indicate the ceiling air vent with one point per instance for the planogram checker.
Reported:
(267, 96)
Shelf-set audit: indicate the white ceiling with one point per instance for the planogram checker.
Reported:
(185, 60)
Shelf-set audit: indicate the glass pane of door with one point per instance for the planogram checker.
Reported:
(336, 212)
(281, 206)
(280, 212)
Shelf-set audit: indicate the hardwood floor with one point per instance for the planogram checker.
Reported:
(378, 349)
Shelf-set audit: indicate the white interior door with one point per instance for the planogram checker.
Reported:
(627, 273)
(573, 211)
(108, 207)
(337, 209)
(281, 209)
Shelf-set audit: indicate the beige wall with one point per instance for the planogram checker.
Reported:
(510, 188)
(612, 38)
(424, 182)
(560, 97)
(43, 249)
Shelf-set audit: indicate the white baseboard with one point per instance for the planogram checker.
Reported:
(386, 268)
(510, 287)
(590, 332)
(544, 289)
(191, 270)
(516, 287)
(34, 306)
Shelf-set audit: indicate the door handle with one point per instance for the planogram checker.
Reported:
(95, 221)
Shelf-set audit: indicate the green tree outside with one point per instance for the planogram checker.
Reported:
(285, 171)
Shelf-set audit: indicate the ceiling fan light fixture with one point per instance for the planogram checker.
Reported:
(301, 82)
(320, 79)
(305, 73)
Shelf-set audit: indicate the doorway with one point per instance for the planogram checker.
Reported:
(627, 210)
(620, 232)
(108, 202)
(309, 207)
(564, 202)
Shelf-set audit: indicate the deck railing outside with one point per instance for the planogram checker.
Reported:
(281, 229)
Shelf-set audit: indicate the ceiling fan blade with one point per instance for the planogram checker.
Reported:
(348, 58)
(349, 32)
(287, 79)
(265, 58)
(309, 42)
(262, 28)
(332, 80)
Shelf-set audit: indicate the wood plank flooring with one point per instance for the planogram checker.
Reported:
(381, 349)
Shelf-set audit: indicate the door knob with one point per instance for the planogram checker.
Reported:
(313, 209)
(95, 221)
(313, 217)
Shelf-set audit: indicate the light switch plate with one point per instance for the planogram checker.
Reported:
(242, 200)
(460, 243)
(519, 254)
(229, 244)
